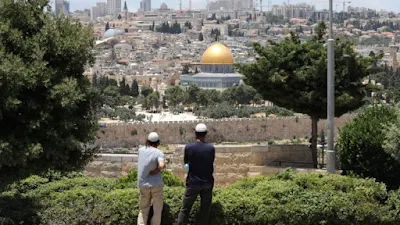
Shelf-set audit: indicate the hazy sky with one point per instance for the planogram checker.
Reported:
(393, 5)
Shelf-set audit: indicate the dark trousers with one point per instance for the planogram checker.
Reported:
(191, 193)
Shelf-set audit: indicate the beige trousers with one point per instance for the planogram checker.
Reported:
(149, 196)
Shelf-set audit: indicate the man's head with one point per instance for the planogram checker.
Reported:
(153, 139)
(201, 131)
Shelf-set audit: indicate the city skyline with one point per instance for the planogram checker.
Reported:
(133, 5)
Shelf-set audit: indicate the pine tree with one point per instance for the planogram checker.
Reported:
(94, 80)
(135, 89)
(122, 84)
(292, 74)
(107, 26)
(201, 37)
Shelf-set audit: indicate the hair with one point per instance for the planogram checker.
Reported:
(152, 144)
(200, 135)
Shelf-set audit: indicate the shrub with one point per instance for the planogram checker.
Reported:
(360, 146)
(287, 198)
(131, 180)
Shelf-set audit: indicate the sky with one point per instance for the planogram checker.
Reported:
(392, 5)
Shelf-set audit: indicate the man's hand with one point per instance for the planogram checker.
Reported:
(154, 172)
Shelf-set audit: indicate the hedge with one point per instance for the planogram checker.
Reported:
(360, 146)
(286, 198)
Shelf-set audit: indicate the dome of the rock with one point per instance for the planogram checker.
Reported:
(217, 53)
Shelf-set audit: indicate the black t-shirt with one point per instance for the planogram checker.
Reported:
(200, 157)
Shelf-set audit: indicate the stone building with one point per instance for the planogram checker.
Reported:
(217, 70)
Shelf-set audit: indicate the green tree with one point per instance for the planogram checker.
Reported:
(123, 87)
(391, 143)
(146, 91)
(361, 146)
(292, 74)
(174, 96)
(185, 69)
(135, 88)
(47, 106)
(94, 80)
(192, 94)
(201, 37)
(153, 100)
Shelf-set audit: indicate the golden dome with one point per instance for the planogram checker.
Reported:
(217, 53)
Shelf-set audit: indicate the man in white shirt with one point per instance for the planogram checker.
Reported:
(150, 183)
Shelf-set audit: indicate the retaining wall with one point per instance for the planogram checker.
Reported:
(232, 162)
(128, 135)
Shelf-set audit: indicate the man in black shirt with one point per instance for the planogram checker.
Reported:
(200, 157)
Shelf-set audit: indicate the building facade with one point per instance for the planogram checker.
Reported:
(145, 5)
(289, 11)
(62, 7)
(114, 7)
(99, 10)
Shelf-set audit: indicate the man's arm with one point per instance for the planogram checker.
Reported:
(161, 164)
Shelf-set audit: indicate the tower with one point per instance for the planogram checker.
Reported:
(190, 5)
(126, 12)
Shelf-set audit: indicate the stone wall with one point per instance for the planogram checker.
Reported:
(232, 162)
(127, 135)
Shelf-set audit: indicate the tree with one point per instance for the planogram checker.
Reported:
(188, 25)
(185, 69)
(174, 96)
(47, 105)
(153, 100)
(201, 37)
(119, 17)
(94, 80)
(361, 146)
(192, 94)
(135, 88)
(146, 91)
(292, 74)
(107, 26)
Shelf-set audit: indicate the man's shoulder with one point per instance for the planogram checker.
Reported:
(196, 145)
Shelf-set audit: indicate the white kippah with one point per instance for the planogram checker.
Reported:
(201, 128)
(153, 137)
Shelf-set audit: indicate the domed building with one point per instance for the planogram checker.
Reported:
(113, 32)
(217, 70)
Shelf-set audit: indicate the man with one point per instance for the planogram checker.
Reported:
(200, 157)
(150, 164)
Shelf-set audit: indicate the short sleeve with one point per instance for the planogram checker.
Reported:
(160, 156)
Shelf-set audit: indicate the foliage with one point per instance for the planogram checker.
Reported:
(153, 101)
(174, 96)
(286, 198)
(146, 91)
(225, 110)
(188, 25)
(131, 179)
(391, 143)
(201, 37)
(175, 28)
(46, 103)
(360, 146)
(135, 88)
(292, 74)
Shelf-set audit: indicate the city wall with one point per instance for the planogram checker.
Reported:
(231, 163)
(127, 135)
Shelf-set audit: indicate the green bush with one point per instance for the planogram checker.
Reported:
(286, 198)
(360, 146)
(131, 180)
